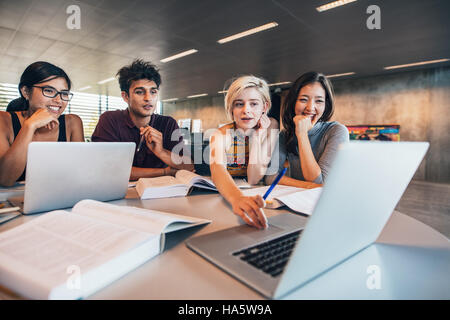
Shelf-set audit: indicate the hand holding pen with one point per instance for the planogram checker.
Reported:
(141, 142)
(274, 183)
(250, 208)
(153, 139)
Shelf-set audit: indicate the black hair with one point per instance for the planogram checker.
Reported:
(288, 107)
(17, 104)
(138, 70)
(274, 111)
(38, 72)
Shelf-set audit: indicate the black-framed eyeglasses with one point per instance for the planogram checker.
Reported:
(51, 92)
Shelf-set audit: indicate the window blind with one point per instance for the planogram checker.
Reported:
(87, 106)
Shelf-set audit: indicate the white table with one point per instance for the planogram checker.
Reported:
(411, 260)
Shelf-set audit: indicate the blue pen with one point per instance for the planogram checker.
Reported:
(280, 175)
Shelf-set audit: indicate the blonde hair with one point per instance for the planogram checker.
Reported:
(242, 83)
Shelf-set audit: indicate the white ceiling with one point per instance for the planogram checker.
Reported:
(114, 32)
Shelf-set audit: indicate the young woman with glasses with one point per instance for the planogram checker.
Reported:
(45, 92)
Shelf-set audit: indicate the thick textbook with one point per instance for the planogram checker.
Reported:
(298, 199)
(178, 186)
(70, 255)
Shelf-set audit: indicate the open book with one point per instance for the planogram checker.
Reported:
(70, 255)
(298, 199)
(178, 186)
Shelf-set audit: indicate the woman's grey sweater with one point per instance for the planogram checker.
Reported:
(325, 138)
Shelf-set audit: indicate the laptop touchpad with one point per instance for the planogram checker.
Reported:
(261, 234)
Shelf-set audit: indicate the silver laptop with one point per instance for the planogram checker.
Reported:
(59, 174)
(366, 181)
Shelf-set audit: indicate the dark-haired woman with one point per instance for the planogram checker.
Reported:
(308, 140)
(45, 92)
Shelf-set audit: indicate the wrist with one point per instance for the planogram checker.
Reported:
(235, 198)
(159, 152)
(29, 126)
(169, 171)
(302, 135)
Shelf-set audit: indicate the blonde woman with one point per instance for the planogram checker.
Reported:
(243, 147)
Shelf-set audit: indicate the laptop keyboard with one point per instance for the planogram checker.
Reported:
(272, 256)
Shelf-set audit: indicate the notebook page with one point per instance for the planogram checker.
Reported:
(279, 190)
(303, 201)
(144, 220)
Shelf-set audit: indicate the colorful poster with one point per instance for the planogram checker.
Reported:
(390, 132)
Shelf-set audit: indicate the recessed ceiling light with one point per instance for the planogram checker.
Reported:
(332, 5)
(415, 64)
(168, 100)
(278, 83)
(340, 75)
(198, 95)
(248, 32)
(106, 80)
(179, 55)
(224, 91)
(84, 88)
